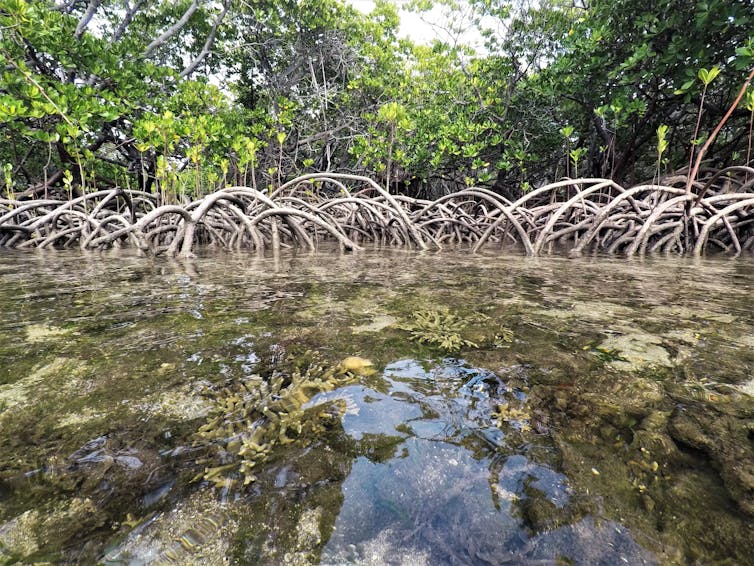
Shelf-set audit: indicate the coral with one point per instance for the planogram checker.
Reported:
(357, 365)
(253, 416)
(451, 331)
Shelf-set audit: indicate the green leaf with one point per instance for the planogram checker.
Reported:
(707, 76)
(685, 87)
(749, 100)
(662, 143)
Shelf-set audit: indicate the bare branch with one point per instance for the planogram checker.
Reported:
(207, 44)
(171, 31)
(66, 7)
(713, 135)
(127, 19)
(86, 18)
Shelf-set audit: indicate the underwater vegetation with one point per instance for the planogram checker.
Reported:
(604, 354)
(450, 332)
(439, 328)
(611, 419)
(508, 413)
(253, 416)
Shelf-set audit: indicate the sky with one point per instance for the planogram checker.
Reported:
(412, 25)
(419, 29)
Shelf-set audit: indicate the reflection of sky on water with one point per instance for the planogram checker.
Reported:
(434, 501)
(437, 501)
(433, 498)
(433, 505)
(454, 393)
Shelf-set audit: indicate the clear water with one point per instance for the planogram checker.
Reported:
(599, 411)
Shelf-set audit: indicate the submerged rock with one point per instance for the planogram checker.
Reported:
(385, 548)
(58, 376)
(18, 537)
(726, 438)
(36, 530)
(657, 444)
(379, 322)
(597, 311)
(196, 531)
(183, 403)
(747, 387)
(308, 539)
(36, 333)
(636, 350)
(292, 510)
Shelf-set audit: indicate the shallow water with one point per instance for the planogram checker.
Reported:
(590, 411)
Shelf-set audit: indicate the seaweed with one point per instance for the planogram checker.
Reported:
(255, 415)
(440, 328)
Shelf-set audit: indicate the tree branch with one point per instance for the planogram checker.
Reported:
(35, 190)
(713, 135)
(171, 31)
(66, 7)
(207, 44)
(127, 19)
(86, 18)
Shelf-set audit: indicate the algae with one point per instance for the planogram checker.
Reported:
(509, 414)
(636, 350)
(252, 417)
(656, 449)
(440, 328)
(36, 333)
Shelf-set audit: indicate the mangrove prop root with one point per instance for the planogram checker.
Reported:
(573, 214)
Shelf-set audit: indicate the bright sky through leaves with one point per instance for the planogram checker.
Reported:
(412, 25)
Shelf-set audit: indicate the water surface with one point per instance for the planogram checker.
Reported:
(590, 411)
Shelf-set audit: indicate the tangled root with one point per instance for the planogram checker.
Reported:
(574, 214)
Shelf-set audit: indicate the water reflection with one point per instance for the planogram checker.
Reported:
(441, 498)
